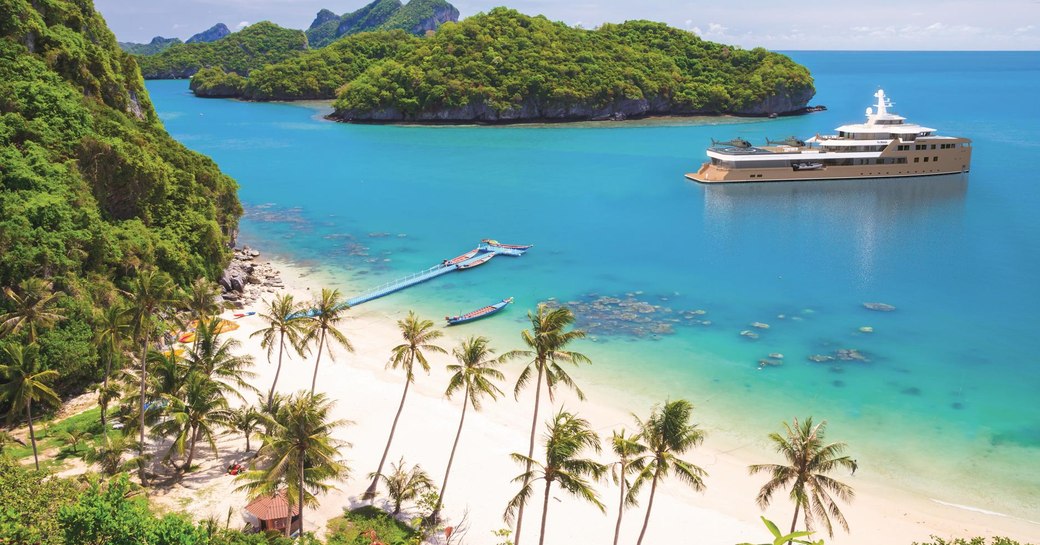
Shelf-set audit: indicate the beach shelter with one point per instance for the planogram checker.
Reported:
(269, 513)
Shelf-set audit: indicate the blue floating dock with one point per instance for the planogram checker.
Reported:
(433, 272)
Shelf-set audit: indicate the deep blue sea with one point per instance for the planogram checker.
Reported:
(948, 403)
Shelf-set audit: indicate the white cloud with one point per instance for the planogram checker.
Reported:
(243, 24)
(1024, 29)
(716, 28)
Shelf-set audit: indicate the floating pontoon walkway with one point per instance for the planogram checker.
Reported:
(433, 272)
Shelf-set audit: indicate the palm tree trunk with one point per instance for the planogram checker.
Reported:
(278, 371)
(32, 433)
(794, 521)
(451, 458)
(321, 343)
(104, 394)
(649, 506)
(247, 441)
(191, 449)
(545, 511)
(300, 499)
(530, 451)
(140, 446)
(621, 504)
(371, 492)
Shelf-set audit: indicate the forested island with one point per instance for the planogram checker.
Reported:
(504, 66)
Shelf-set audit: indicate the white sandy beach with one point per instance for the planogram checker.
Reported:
(368, 394)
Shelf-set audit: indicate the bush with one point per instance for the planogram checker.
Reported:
(366, 524)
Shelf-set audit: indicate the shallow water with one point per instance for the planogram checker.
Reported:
(946, 403)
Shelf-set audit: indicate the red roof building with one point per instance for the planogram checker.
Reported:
(269, 513)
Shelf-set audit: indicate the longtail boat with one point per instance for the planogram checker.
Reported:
(493, 242)
(479, 313)
(461, 258)
(478, 261)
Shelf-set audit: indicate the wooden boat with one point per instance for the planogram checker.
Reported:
(244, 314)
(187, 337)
(479, 313)
(456, 260)
(478, 261)
(492, 242)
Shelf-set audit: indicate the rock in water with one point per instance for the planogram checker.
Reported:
(880, 307)
(866, 329)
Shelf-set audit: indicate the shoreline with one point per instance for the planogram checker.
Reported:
(724, 513)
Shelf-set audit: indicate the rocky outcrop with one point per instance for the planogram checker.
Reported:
(440, 16)
(416, 17)
(323, 17)
(246, 279)
(786, 102)
(212, 34)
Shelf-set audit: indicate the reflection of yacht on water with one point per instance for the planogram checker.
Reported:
(883, 147)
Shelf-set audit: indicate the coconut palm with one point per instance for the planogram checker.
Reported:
(404, 484)
(33, 308)
(197, 415)
(809, 459)
(215, 358)
(328, 310)
(475, 375)
(546, 340)
(567, 437)
(668, 434)
(298, 452)
(25, 381)
(76, 436)
(111, 327)
(246, 420)
(201, 299)
(630, 454)
(168, 375)
(151, 292)
(282, 323)
(109, 455)
(418, 338)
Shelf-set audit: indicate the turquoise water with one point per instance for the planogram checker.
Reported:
(947, 403)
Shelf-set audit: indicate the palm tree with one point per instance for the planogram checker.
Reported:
(245, 419)
(200, 298)
(33, 308)
(668, 433)
(109, 454)
(475, 375)
(197, 415)
(151, 291)
(547, 341)
(26, 381)
(327, 312)
(631, 458)
(215, 358)
(404, 484)
(282, 322)
(110, 328)
(809, 459)
(298, 452)
(76, 436)
(6, 439)
(418, 337)
(568, 436)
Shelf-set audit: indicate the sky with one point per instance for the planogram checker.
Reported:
(775, 24)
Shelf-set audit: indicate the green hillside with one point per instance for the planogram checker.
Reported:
(240, 52)
(92, 188)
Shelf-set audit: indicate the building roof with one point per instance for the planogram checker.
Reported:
(271, 507)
